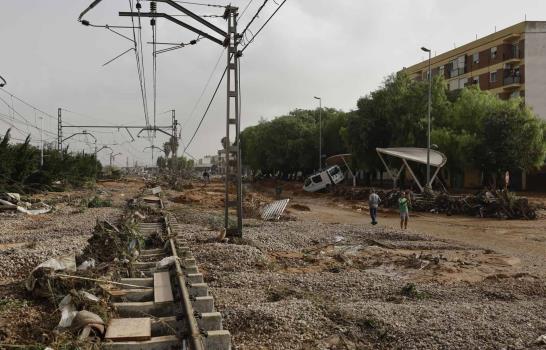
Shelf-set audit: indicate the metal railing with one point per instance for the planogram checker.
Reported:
(512, 80)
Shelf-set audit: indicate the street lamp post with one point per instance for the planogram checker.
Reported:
(320, 131)
(429, 110)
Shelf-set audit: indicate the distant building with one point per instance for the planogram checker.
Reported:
(510, 62)
(207, 163)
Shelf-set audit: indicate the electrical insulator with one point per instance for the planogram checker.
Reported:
(138, 5)
(193, 42)
(152, 22)
(153, 6)
(85, 22)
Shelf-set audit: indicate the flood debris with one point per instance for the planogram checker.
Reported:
(12, 202)
(122, 241)
(274, 210)
(98, 202)
(63, 263)
(487, 203)
(541, 340)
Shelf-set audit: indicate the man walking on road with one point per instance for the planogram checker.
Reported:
(403, 204)
(373, 203)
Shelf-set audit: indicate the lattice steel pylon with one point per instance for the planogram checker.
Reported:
(232, 150)
(59, 131)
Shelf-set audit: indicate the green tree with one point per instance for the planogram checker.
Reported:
(395, 115)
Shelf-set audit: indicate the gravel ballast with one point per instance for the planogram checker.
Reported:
(307, 285)
(28, 241)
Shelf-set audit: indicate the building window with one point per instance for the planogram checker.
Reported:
(458, 66)
(493, 53)
(493, 77)
(476, 57)
(462, 82)
(442, 71)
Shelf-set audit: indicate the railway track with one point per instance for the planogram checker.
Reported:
(168, 305)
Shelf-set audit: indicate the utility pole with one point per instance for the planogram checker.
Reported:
(41, 141)
(112, 157)
(429, 185)
(96, 158)
(230, 39)
(233, 171)
(174, 141)
(59, 131)
(320, 131)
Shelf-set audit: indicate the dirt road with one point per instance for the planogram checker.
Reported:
(523, 239)
(326, 279)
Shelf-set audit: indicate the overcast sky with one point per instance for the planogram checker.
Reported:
(339, 50)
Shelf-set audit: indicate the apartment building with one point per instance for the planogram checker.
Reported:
(510, 62)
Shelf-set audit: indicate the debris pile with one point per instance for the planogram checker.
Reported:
(11, 202)
(488, 203)
(110, 242)
(74, 290)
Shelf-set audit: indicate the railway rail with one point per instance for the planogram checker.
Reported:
(168, 305)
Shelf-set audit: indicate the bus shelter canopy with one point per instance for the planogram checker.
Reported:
(413, 154)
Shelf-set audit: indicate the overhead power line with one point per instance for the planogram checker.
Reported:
(244, 10)
(262, 27)
(139, 70)
(200, 4)
(206, 85)
(206, 110)
(28, 104)
(254, 17)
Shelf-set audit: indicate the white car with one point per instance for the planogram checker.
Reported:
(323, 180)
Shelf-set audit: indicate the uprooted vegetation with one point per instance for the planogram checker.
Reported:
(488, 203)
(77, 286)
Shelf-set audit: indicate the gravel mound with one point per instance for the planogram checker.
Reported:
(27, 241)
(357, 307)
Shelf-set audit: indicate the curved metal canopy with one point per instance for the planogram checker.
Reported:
(414, 154)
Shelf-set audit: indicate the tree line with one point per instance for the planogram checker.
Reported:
(473, 128)
(20, 169)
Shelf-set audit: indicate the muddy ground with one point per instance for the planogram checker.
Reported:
(321, 278)
(327, 279)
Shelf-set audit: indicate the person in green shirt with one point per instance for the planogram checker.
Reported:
(403, 204)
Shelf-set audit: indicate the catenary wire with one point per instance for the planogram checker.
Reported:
(206, 110)
(244, 10)
(262, 27)
(206, 86)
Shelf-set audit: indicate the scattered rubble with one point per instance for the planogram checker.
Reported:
(306, 285)
(488, 203)
(13, 202)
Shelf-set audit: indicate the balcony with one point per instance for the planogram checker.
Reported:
(511, 82)
(456, 72)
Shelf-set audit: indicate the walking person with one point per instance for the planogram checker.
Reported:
(403, 204)
(206, 177)
(373, 203)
